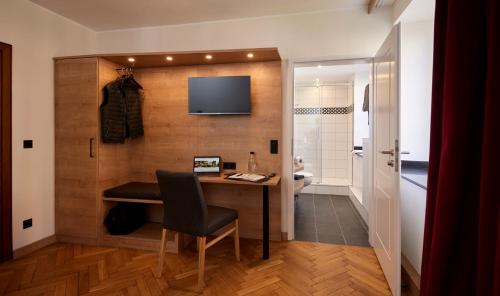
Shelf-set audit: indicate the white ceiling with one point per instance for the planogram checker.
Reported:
(101, 15)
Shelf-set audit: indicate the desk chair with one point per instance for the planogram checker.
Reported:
(186, 211)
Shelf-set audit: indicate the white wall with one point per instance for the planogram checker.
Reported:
(37, 36)
(334, 34)
(416, 88)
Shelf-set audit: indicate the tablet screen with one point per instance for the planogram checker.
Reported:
(206, 164)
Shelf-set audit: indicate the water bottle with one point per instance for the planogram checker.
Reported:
(252, 164)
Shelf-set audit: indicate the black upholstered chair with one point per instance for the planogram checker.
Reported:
(186, 211)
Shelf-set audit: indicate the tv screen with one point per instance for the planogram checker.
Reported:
(219, 95)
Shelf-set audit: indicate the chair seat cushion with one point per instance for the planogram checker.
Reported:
(219, 217)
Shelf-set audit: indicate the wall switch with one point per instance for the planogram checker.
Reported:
(274, 146)
(27, 223)
(229, 165)
(28, 144)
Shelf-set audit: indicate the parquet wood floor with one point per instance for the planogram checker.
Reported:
(295, 268)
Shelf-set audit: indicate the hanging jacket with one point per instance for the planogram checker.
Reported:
(121, 111)
(132, 93)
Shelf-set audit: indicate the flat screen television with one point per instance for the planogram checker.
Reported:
(219, 95)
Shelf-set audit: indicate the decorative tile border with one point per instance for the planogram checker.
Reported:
(324, 110)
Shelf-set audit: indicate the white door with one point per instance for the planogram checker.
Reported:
(385, 220)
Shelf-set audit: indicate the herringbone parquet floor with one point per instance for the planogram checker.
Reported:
(295, 268)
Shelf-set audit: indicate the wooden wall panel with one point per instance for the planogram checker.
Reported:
(172, 137)
(75, 171)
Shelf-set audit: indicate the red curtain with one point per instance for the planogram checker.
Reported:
(462, 227)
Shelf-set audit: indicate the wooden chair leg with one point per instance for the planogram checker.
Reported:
(163, 243)
(201, 262)
(237, 240)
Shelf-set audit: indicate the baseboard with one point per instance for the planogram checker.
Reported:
(410, 279)
(28, 249)
(77, 240)
(359, 207)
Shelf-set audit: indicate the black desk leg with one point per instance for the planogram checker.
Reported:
(265, 222)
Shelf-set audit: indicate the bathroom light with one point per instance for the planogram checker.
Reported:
(250, 55)
(208, 57)
(131, 60)
(169, 58)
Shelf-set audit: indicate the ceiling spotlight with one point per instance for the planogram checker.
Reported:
(131, 60)
(208, 57)
(169, 58)
(250, 55)
(320, 66)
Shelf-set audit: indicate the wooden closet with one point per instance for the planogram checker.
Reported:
(85, 167)
(76, 144)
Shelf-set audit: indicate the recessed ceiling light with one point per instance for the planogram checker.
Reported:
(208, 57)
(250, 55)
(131, 60)
(319, 66)
(169, 58)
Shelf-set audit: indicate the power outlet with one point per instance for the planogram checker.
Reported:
(27, 144)
(27, 223)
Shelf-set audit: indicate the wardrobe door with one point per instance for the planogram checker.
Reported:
(76, 128)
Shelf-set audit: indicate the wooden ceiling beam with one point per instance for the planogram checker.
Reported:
(371, 5)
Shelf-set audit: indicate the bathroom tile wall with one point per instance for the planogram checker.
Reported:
(324, 140)
(306, 128)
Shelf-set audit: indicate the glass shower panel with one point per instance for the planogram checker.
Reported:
(335, 135)
(307, 129)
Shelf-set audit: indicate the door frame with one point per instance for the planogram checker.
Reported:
(288, 66)
(6, 251)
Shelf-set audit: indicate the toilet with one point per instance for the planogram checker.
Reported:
(308, 177)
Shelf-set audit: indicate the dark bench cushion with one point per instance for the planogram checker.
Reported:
(135, 190)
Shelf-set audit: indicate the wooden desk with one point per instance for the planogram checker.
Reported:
(153, 191)
(274, 181)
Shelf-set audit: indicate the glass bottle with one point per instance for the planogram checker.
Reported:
(252, 164)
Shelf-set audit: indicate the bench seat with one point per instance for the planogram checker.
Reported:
(134, 192)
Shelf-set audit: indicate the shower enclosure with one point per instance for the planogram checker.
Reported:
(323, 131)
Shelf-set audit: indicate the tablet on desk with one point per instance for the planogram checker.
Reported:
(209, 165)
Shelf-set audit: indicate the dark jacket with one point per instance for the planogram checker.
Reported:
(121, 116)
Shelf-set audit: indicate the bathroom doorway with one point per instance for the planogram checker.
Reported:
(330, 128)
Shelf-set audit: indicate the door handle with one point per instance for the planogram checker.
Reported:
(390, 163)
(405, 152)
(388, 152)
(91, 147)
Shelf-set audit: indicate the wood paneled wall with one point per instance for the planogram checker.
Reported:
(172, 137)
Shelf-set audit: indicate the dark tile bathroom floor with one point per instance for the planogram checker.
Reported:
(329, 219)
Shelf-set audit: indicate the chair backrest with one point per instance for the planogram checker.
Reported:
(184, 206)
